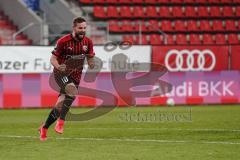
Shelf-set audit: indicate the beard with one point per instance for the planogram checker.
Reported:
(80, 35)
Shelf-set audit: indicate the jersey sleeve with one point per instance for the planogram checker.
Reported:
(91, 52)
(58, 49)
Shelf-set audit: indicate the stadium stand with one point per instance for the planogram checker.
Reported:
(191, 22)
(181, 22)
(7, 29)
(156, 2)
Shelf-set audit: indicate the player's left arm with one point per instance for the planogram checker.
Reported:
(90, 55)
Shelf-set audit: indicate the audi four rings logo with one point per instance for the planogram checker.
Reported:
(188, 57)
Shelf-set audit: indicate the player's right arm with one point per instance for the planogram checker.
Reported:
(55, 63)
(54, 58)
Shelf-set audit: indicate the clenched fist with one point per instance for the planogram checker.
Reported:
(62, 67)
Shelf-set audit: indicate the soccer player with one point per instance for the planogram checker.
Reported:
(68, 76)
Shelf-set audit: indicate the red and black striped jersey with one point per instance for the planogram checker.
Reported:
(68, 47)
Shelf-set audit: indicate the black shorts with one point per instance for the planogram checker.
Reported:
(62, 80)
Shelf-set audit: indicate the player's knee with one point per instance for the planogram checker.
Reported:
(71, 90)
(59, 102)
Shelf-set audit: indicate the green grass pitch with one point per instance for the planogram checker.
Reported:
(135, 133)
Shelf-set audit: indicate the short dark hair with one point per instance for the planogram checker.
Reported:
(78, 20)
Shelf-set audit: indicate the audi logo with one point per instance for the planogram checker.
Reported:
(186, 60)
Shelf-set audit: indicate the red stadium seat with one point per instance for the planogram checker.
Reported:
(111, 2)
(170, 39)
(4, 23)
(136, 26)
(177, 11)
(180, 25)
(144, 39)
(166, 25)
(228, 11)
(160, 1)
(112, 12)
(127, 26)
(143, 24)
(220, 39)
(232, 39)
(164, 12)
(150, 1)
(153, 25)
(207, 39)
(114, 26)
(190, 11)
(237, 11)
(181, 39)
(151, 11)
(236, 1)
(205, 25)
(230, 25)
(214, 1)
(226, 1)
(215, 11)
(129, 38)
(137, 1)
(189, 1)
(177, 1)
(155, 39)
(154, 1)
(203, 11)
(192, 25)
(202, 1)
(238, 24)
(124, 1)
(138, 12)
(194, 39)
(86, 1)
(125, 12)
(98, 1)
(217, 25)
(99, 11)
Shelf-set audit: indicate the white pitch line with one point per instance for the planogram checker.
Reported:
(125, 140)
